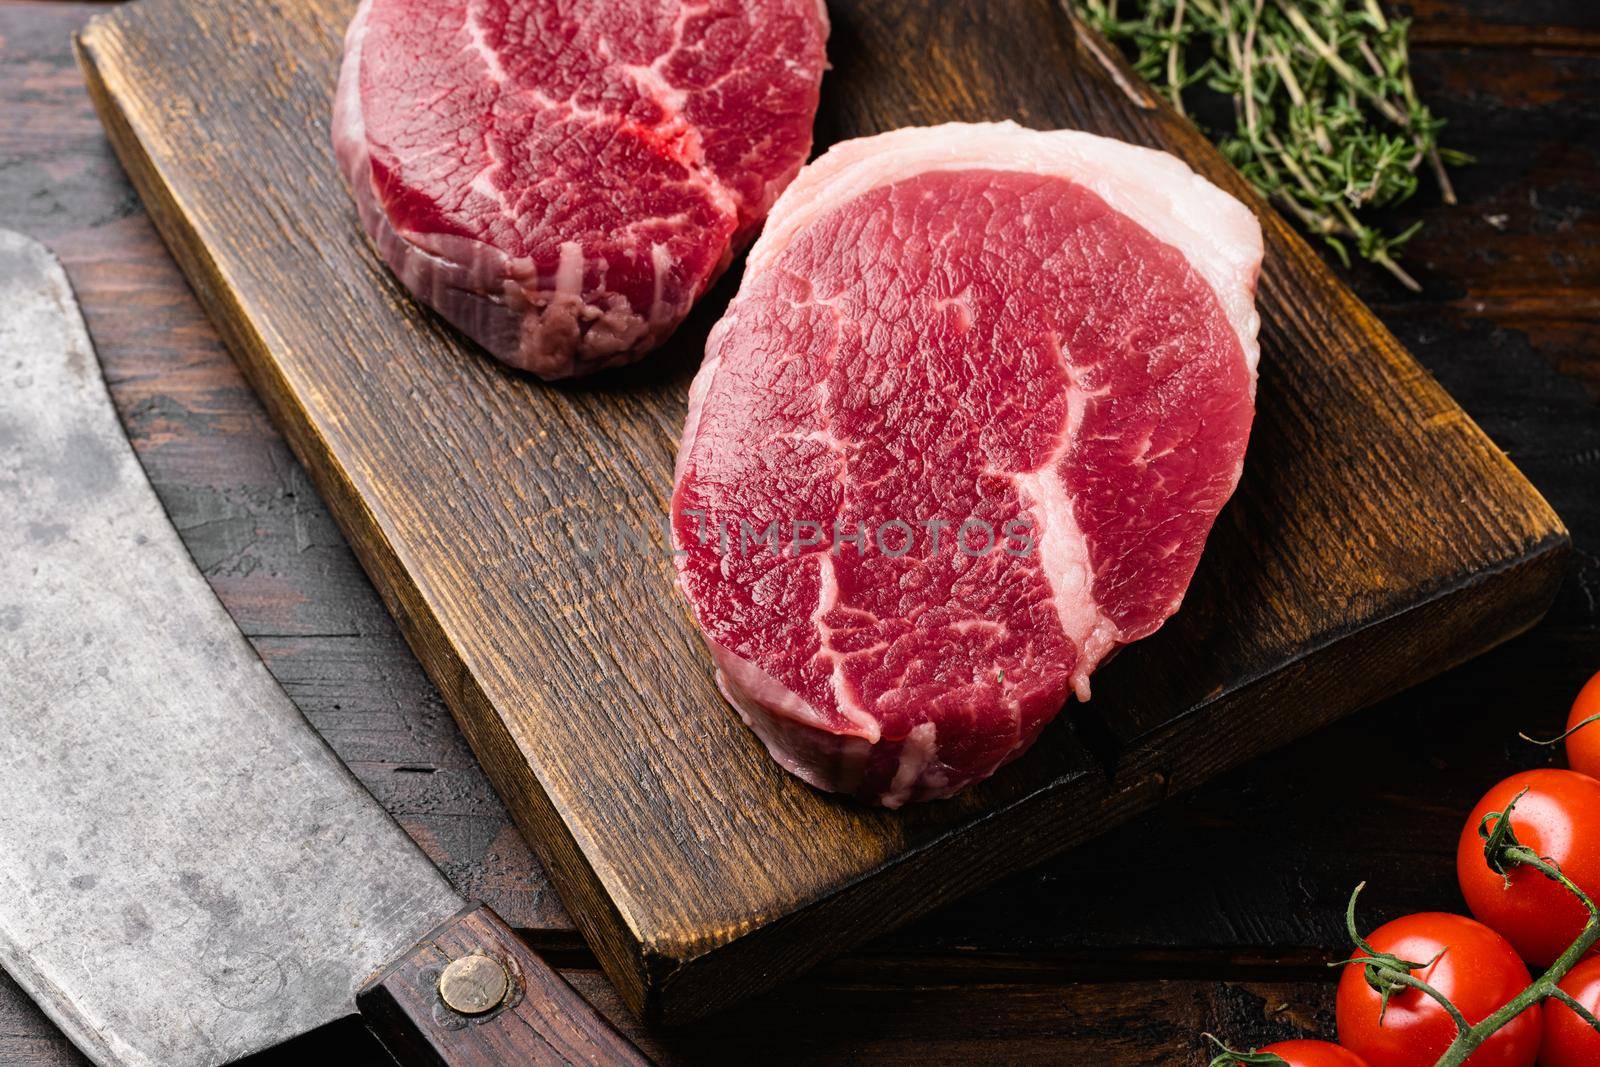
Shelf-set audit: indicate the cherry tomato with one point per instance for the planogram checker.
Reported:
(1583, 747)
(1559, 818)
(1479, 972)
(1568, 1040)
(1315, 1054)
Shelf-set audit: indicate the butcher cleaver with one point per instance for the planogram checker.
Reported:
(188, 874)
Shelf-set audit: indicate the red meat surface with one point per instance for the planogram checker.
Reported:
(562, 179)
(962, 433)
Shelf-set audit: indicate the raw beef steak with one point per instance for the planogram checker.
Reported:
(961, 434)
(562, 179)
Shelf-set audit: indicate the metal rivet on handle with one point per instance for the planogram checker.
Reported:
(473, 984)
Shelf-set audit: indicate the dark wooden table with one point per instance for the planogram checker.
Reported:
(1217, 912)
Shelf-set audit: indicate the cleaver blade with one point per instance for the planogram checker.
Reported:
(188, 874)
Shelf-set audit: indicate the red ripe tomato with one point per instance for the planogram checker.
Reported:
(1479, 972)
(1316, 1054)
(1559, 818)
(1568, 1040)
(1583, 747)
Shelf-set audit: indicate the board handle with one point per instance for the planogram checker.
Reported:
(472, 993)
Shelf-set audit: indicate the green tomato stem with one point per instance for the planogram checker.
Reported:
(1563, 736)
(1502, 853)
(1468, 1040)
(1226, 1057)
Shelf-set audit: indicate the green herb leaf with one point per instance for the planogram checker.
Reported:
(1327, 124)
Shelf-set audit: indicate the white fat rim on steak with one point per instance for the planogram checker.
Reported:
(1216, 234)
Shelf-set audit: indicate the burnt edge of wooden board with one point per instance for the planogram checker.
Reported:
(664, 980)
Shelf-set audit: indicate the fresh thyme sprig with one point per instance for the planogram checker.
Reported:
(1327, 124)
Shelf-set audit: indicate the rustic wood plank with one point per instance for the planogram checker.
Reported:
(1548, 25)
(681, 868)
(962, 1012)
(27, 1037)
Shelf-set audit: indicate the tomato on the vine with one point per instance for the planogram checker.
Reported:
(1568, 1040)
(1305, 1053)
(1476, 969)
(1558, 818)
(1583, 745)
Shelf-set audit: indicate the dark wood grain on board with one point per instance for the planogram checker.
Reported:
(1378, 537)
(1493, 24)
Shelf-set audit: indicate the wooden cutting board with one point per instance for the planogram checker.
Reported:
(1378, 536)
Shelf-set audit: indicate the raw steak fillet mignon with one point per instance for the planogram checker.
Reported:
(562, 179)
(992, 386)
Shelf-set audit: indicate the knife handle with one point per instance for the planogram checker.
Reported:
(472, 993)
